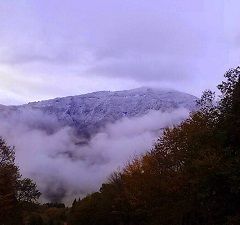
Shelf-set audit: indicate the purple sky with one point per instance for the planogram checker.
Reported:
(53, 48)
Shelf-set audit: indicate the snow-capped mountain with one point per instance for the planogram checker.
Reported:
(88, 113)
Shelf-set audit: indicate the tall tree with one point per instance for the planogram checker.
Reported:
(13, 190)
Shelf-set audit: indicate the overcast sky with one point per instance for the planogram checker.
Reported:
(53, 48)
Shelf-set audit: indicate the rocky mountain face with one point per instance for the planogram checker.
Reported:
(88, 113)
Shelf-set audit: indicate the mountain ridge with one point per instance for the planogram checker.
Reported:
(88, 113)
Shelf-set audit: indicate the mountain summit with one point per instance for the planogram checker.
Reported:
(88, 113)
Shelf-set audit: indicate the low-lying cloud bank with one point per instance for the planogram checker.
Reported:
(63, 168)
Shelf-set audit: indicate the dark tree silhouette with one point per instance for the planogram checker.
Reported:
(13, 190)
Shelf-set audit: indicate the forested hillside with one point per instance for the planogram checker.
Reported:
(191, 176)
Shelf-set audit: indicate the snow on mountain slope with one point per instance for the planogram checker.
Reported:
(89, 112)
(118, 126)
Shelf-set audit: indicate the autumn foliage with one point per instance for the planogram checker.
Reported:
(191, 176)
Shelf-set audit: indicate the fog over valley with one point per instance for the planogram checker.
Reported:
(66, 164)
(119, 112)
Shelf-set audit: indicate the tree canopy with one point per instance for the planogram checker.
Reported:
(14, 191)
(191, 175)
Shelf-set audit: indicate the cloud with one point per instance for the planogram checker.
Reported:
(183, 44)
(63, 168)
(141, 68)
